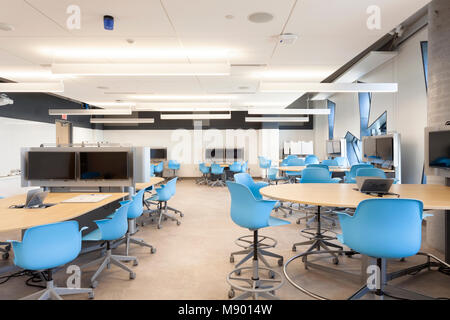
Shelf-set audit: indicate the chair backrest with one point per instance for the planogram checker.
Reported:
(246, 211)
(316, 175)
(272, 174)
(203, 168)
(173, 164)
(116, 227)
(152, 170)
(370, 172)
(244, 167)
(167, 191)
(311, 159)
(342, 161)
(317, 165)
(217, 168)
(236, 167)
(355, 167)
(48, 246)
(264, 163)
(330, 162)
(295, 162)
(159, 167)
(247, 180)
(136, 206)
(291, 156)
(384, 228)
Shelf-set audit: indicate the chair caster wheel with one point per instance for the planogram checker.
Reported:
(91, 295)
(94, 284)
(231, 293)
(280, 262)
(238, 273)
(336, 261)
(132, 275)
(159, 226)
(231, 259)
(5, 256)
(271, 274)
(294, 249)
(153, 250)
(135, 263)
(272, 292)
(181, 215)
(178, 223)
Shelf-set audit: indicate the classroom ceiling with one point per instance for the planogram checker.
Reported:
(330, 33)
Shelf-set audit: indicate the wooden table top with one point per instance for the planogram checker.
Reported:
(14, 219)
(332, 169)
(342, 195)
(153, 181)
(224, 165)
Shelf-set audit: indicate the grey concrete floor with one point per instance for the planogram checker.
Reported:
(192, 260)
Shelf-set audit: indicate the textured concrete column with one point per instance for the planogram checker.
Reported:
(438, 95)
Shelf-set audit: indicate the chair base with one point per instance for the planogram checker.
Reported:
(107, 260)
(161, 213)
(55, 293)
(202, 180)
(217, 183)
(249, 250)
(5, 250)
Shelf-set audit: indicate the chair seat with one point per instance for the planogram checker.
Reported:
(95, 235)
(273, 222)
(152, 198)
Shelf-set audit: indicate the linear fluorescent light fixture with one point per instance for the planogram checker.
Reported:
(88, 112)
(276, 119)
(122, 120)
(182, 109)
(53, 87)
(111, 104)
(141, 69)
(290, 111)
(183, 106)
(182, 98)
(284, 87)
(205, 116)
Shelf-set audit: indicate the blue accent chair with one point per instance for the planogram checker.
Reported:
(372, 172)
(236, 167)
(273, 177)
(174, 165)
(294, 162)
(342, 161)
(110, 230)
(135, 210)
(383, 229)
(350, 176)
(264, 164)
(244, 167)
(152, 170)
(330, 162)
(205, 170)
(253, 214)
(163, 194)
(159, 169)
(324, 166)
(311, 159)
(45, 248)
(217, 175)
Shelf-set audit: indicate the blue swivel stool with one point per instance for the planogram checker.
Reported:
(135, 210)
(318, 239)
(384, 229)
(46, 247)
(311, 159)
(273, 177)
(350, 176)
(235, 168)
(159, 169)
(174, 165)
(6, 249)
(264, 242)
(217, 175)
(205, 170)
(163, 194)
(264, 164)
(253, 214)
(110, 230)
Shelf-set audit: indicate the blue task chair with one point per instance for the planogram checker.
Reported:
(152, 170)
(318, 239)
(372, 172)
(252, 213)
(159, 169)
(342, 161)
(205, 170)
(45, 248)
(174, 165)
(264, 242)
(330, 162)
(383, 229)
(110, 230)
(163, 194)
(311, 159)
(350, 176)
(264, 164)
(235, 168)
(135, 210)
(324, 166)
(6, 249)
(244, 167)
(273, 177)
(217, 175)
(294, 162)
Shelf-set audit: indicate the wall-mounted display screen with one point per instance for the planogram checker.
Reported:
(439, 149)
(385, 148)
(158, 153)
(50, 165)
(336, 147)
(370, 148)
(104, 165)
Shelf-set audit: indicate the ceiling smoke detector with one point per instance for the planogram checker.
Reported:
(287, 39)
(260, 17)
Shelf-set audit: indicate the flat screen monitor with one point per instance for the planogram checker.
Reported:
(439, 149)
(385, 148)
(104, 165)
(158, 153)
(370, 148)
(50, 165)
(336, 147)
(330, 147)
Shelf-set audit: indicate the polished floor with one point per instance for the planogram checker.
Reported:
(192, 260)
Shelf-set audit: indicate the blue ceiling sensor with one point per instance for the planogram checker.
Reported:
(108, 22)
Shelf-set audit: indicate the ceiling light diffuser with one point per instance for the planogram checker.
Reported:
(290, 111)
(283, 87)
(168, 98)
(276, 119)
(88, 112)
(205, 116)
(122, 120)
(53, 87)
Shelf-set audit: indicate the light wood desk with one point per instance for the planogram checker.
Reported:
(153, 181)
(19, 219)
(223, 165)
(332, 169)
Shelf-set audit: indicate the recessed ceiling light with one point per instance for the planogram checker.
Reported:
(102, 88)
(243, 88)
(6, 27)
(229, 17)
(260, 17)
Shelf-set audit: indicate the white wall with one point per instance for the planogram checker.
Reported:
(406, 109)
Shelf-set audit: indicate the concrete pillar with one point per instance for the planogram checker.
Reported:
(438, 95)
